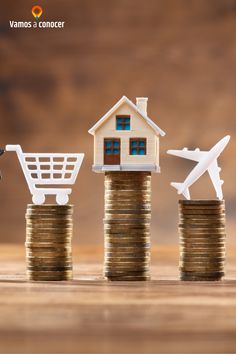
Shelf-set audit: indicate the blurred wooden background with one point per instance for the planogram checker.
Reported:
(55, 84)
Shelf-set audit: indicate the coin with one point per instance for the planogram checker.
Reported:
(50, 272)
(201, 276)
(126, 269)
(201, 202)
(130, 204)
(53, 278)
(127, 255)
(126, 273)
(124, 238)
(48, 264)
(127, 232)
(48, 242)
(48, 245)
(127, 225)
(124, 277)
(126, 259)
(202, 239)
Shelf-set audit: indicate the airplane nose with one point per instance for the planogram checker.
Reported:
(226, 139)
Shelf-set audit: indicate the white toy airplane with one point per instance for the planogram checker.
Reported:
(207, 161)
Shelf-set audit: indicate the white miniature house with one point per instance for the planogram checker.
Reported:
(126, 139)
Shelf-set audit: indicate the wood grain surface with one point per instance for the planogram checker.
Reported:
(91, 315)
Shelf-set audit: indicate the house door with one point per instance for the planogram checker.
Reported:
(111, 151)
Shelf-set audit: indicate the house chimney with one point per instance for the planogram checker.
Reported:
(141, 103)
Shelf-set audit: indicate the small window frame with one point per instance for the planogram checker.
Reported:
(123, 123)
(138, 147)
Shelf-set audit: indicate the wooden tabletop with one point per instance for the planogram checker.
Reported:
(91, 315)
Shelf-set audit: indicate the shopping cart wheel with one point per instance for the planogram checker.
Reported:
(38, 199)
(62, 199)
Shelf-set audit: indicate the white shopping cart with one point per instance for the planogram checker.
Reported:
(44, 171)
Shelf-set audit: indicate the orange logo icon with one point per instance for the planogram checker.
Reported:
(37, 11)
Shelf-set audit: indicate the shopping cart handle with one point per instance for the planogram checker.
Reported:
(13, 148)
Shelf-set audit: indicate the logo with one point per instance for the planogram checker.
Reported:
(37, 12)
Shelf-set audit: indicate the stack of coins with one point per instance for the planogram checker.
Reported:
(202, 239)
(127, 225)
(48, 242)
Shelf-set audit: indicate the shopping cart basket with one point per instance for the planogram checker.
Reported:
(44, 171)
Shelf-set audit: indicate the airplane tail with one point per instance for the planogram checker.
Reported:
(179, 187)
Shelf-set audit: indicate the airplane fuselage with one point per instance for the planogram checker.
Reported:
(204, 163)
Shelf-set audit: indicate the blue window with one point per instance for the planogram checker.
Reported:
(137, 146)
(112, 146)
(141, 152)
(122, 122)
(119, 127)
(134, 152)
(108, 144)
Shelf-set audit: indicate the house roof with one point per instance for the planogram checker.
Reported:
(124, 99)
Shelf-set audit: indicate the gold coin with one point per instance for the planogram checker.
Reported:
(194, 276)
(126, 245)
(207, 221)
(206, 274)
(50, 272)
(48, 254)
(127, 197)
(127, 226)
(202, 267)
(202, 240)
(56, 227)
(202, 237)
(53, 253)
(49, 268)
(129, 236)
(128, 278)
(201, 208)
(130, 204)
(126, 216)
(48, 231)
(125, 269)
(125, 258)
(56, 243)
(48, 264)
(49, 240)
(126, 274)
(130, 232)
(202, 202)
(46, 278)
(202, 216)
(137, 248)
(127, 255)
(127, 265)
(202, 251)
(33, 277)
(49, 207)
(190, 258)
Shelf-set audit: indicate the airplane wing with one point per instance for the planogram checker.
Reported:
(214, 172)
(195, 155)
